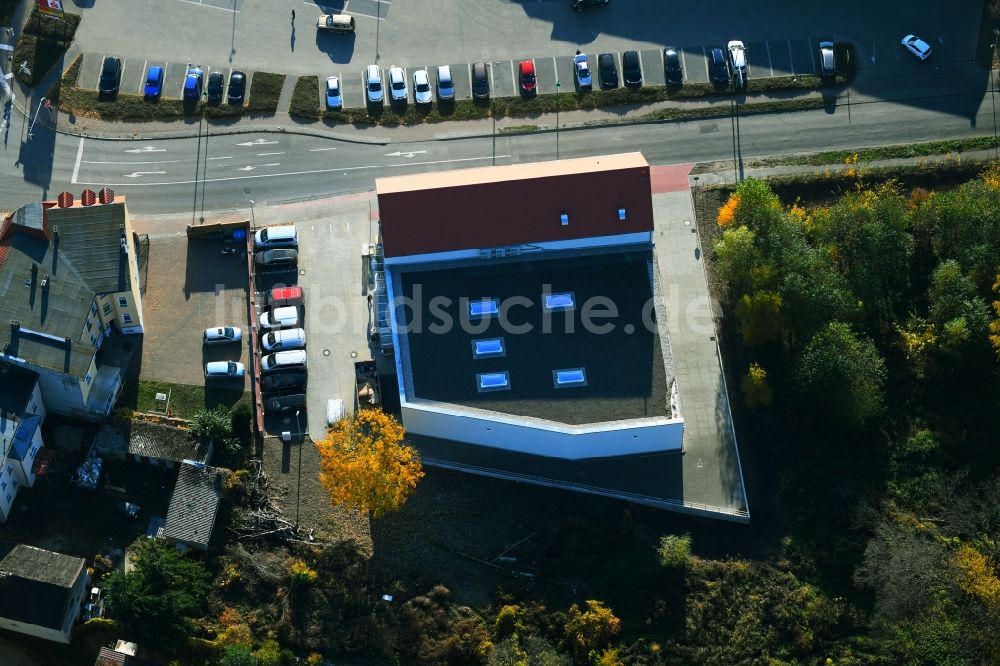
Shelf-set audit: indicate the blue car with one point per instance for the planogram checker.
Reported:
(192, 83)
(154, 82)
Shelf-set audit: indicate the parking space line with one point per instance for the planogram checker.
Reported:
(708, 70)
(791, 58)
(142, 75)
(555, 68)
(811, 57)
(770, 66)
(642, 69)
(684, 65)
(513, 78)
(468, 70)
(191, 2)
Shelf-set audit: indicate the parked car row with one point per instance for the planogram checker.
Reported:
(111, 74)
(282, 337)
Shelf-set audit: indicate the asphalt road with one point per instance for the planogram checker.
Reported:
(224, 172)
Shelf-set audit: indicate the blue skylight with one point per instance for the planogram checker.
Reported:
(569, 377)
(489, 347)
(562, 301)
(493, 381)
(483, 308)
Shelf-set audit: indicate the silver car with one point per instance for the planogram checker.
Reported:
(221, 335)
(397, 84)
(374, 92)
(421, 87)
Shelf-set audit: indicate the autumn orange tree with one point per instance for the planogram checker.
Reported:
(366, 465)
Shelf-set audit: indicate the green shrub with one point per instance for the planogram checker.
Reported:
(508, 621)
(675, 551)
(305, 100)
(265, 89)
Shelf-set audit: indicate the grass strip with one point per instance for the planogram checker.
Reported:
(899, 151)
(265, 89)
(744, 110)
(305, 98)
(185, 400)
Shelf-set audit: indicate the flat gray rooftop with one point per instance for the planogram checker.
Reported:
(621, 355)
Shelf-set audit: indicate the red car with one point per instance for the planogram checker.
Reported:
(527, 78)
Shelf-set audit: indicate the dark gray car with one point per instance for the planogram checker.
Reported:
(278, 257)
(672, 70)
(718, 67)
(480, 81)
(285, 403)
(607, 71)
(632, 69)
(111, 76)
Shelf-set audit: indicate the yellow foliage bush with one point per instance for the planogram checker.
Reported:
(728, 211)
(593, 628)
(300, 574)
(976, 576)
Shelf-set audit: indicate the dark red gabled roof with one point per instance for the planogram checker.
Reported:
(521, 204)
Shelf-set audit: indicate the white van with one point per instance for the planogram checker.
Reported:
(294, 359)
(335, 22)
(286, 317)
(277, 236)
(290, 338)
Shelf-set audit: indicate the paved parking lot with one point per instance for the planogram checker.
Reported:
(134, 73)
(331, 272)
(191, 287)
(260, 35)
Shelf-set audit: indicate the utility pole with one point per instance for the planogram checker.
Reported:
(31, 128)
(557, 118)
(298, 492)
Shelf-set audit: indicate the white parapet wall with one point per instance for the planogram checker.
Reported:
(544, 438)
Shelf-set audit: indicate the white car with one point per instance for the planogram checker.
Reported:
(373, 85)
(421, 87)
(221, 335)
(334, 100)
(224, 370)
(738, 62)
(581, 67)
(397, 84)
(289, 338)
(917, 46)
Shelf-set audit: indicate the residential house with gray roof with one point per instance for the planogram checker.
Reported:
(194, 505)
(21, 415)
(71, 299)
(41, 592)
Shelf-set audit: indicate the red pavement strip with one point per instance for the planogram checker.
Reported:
(672, 178)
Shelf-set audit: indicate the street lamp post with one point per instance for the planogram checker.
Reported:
(31, 128)
(298, 492)
(253, 218)
(557, 118)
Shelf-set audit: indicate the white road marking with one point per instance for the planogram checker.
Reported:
(257, 142)
(190, 2)
(137, 174)
(300, 173)
(406, 154)
(251, 168)
(227, 157)
(131, 162)
(146, 149)
(684, 66)
(770, 65)
(79, 158)
(708, 70)
(791, 58)
(266, 154)
(142, 76)
(316, 150)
